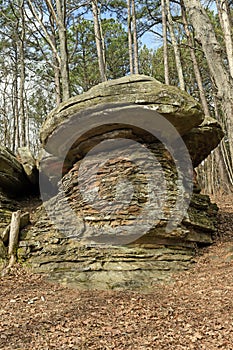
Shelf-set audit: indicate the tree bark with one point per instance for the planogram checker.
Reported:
(205, 34)
(135, 39)
(175, 46)
(224, 16)
(15, 106)
(61, 22)
(195, 63)
(56, 65)
(22, 76)
(14, 237)
(165, 45)
(130, 41)
(98, 39)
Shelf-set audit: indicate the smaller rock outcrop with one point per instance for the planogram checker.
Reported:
(29, 165)
(202, 139)
(13, 179)
(15, 184)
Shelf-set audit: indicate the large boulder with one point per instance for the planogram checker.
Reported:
(126, 211)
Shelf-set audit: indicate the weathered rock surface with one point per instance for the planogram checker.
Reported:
(29, 165)
(125, 213)
(14, 184)
(202, 139)
(13, 179)
(138, 94)
(65, 259)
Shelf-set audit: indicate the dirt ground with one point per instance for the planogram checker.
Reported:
(195, 312)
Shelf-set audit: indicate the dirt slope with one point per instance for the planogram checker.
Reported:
(196, 312)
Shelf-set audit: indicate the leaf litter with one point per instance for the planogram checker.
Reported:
(194, 312)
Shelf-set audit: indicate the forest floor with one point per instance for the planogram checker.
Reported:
(195, 312)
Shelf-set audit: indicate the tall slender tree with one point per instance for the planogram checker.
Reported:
(59, 50)
(165, 42)
(195, 62)
(130, 40)
(224, 16)
(221, 76)
(22, 109)
(99, 40)
(135, 38)
(175, 46)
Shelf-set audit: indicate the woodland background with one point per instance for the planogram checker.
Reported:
(53, 49)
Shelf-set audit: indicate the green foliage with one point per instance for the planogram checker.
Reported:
(84, 62)
(116, 46)
(84, 71)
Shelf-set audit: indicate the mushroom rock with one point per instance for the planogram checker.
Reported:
(126, 212)
(117, 101)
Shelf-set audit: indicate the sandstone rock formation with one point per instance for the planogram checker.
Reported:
(13, 179)
(14, 184)
(202, 139)
(29, 165)
(121, 204)
(139, 93)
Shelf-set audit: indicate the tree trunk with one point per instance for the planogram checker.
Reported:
(175, 46)
(15, 106)
(165, 46)
(224, 16)
(56, 67)
(226, 175)
(98, 39)
(22, 76)
(61, 22)
(56, 64)
(130, 41)
(135, 39)
(195, 63)
(205, 34)
(14, 237)
(5, 113)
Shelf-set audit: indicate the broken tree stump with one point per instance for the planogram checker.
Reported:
(24, 221)
(13, 240)
(14, 237)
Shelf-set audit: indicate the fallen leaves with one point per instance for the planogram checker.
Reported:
(195, 312)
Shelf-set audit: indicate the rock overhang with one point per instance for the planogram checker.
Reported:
(125, 95)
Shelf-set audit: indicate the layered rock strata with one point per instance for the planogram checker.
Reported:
(126, 212)
(122, 208)
(15, 184)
